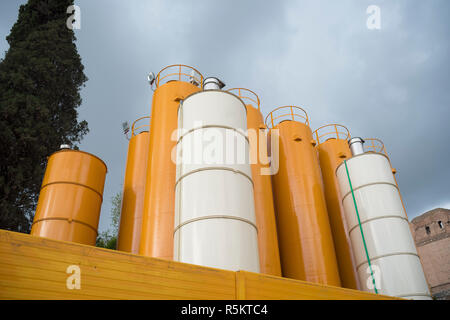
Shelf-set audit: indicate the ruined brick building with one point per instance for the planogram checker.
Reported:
(431, 233)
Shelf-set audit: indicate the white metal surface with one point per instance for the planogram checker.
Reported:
(213, 147)
(234, 243)
(214, 208)
(356, 146)
(395, 264)
(212, 108)
(212, 83)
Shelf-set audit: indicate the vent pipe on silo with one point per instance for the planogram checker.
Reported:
(356, 145)
(212, 83)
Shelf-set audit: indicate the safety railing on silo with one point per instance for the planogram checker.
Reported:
(142, 127)
(179, 72)
(374, 145)
(247, 95)
(284, 113)
(331, 131)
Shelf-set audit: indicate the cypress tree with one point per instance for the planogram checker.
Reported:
(40, 79)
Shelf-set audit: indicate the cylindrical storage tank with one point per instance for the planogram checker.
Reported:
(376, 145)
(173, 84)
(269, 255)
(130, 226)
(214, 210)
(71, 196)
(333, 149)
(385, 253)
(305, 240)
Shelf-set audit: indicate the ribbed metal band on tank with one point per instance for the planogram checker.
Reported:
(87, 153)
(214, 168)
(210, 126)
(222, 91)
(362, 155)
(388, 255)
(377, 218)
(76, 184)
(68, 220)
(216, 217)
(414, 295)
(370, 184)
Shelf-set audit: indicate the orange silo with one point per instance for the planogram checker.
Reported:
(304, 234)
(71, 196)
(173, 84)
(333, 149)
(129, 235)
(269, 255)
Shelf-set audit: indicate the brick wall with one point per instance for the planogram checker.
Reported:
(431, 232)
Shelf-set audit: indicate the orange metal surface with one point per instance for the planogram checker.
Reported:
(37, 269)
(333, 149)
(70, 198)
(133, 189)
(305, 240)
(269, 255)
(159, 203)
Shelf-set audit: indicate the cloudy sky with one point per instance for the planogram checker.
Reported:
(392, 83)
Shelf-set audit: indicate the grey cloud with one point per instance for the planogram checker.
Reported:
(391, 83)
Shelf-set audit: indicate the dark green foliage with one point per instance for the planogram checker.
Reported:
(40, 79)
(108, 239)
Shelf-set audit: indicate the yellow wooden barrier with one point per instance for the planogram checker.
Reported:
(36, 268)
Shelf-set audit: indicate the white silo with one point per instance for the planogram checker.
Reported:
(386, 257)
(214, 209)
